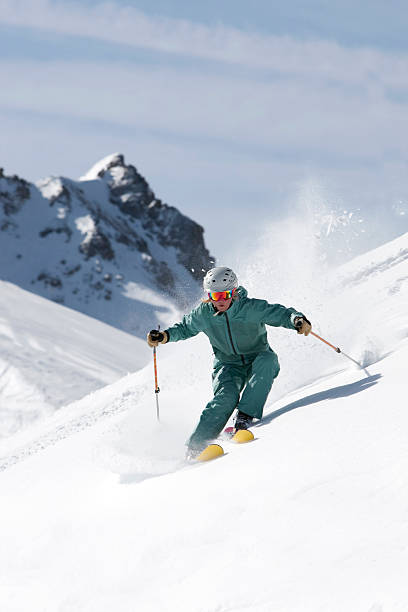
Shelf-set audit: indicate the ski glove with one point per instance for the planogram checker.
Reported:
(302, 325)
(156, 337)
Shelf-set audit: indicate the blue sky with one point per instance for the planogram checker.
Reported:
(232, 110)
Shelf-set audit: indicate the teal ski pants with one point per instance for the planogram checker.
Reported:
(255, 379)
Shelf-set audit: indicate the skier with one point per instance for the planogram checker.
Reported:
(244, 361)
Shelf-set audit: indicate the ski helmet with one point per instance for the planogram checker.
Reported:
(220, 279)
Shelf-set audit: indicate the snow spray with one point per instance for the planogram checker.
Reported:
(294, 260)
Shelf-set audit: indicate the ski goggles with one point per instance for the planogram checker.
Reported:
(221, 295)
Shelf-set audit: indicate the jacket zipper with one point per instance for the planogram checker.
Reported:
(230, 337)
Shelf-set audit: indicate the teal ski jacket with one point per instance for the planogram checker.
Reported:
(239, 333)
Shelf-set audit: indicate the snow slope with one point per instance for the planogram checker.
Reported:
(99, 513)
(51, 355)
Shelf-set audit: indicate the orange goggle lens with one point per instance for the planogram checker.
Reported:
(221, 295)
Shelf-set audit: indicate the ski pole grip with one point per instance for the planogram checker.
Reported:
(156, 335)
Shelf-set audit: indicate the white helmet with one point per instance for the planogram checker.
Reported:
(220, 279)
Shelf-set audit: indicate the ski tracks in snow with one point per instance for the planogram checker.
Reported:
(376, 267)
(67, 429)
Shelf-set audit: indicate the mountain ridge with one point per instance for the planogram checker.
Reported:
(96, 243)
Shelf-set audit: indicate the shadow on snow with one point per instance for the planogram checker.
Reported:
(329, 394)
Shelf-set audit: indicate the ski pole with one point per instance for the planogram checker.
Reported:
(156, 385)
(336, 348)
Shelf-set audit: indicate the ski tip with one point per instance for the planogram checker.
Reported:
(243, 435)
(210, 452)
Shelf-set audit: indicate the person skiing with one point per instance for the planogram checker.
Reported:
(244, 362)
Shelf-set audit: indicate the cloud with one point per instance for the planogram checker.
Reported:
(230, 117)
(289, 117)
(284, 55)
(283, 95)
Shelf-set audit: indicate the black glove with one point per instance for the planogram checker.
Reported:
(155, 337)
(302, 325)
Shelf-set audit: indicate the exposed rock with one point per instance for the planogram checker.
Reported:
(107, 228)
(14, 192)
(97, 244)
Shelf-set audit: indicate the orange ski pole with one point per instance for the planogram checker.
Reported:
(156, 384)
(336, 348)
(325, 341)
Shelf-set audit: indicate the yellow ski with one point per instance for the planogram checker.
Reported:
(211, 452)
(242, 436)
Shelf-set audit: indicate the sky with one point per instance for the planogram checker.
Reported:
(235, 113)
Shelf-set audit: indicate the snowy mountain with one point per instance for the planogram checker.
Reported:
(103, 245)
(310, 517)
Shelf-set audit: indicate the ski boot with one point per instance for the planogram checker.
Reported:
(242, 421)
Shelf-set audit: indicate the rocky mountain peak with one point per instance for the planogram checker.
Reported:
(114, 162)
(97, 244)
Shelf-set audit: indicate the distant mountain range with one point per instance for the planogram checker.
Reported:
(104, 245)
